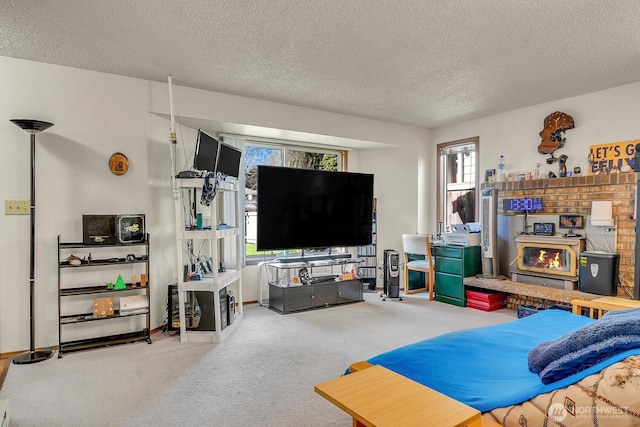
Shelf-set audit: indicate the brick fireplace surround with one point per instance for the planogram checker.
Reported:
(574, 196)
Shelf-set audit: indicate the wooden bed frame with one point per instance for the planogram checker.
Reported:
(401, 401)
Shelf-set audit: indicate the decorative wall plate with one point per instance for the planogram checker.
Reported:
(118, 164)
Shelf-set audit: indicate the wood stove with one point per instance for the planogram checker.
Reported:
(548, 260)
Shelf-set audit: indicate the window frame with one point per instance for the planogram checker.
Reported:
(441, 180)
(286, 147)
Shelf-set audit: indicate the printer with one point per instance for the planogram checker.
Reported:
(463, 234)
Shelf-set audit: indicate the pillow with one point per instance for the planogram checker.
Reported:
(615, 332)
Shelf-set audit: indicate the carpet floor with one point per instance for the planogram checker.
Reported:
(262, 375)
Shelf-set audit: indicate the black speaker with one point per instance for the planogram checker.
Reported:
(130, 228)
(636, 274)
(231, 307)
(224, 312)
(636, 159)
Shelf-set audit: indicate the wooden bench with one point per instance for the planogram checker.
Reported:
(4, 367)
(377, 397)
(599, 306)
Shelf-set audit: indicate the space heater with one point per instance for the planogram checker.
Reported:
(391, 273)
(489, 248)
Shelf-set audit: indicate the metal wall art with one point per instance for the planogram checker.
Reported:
(554, 125)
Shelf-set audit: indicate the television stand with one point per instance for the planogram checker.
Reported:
(570, 233)
(334, 285)
(310, 258)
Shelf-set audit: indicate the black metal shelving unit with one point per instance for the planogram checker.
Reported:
(64, 248)
(369, 253)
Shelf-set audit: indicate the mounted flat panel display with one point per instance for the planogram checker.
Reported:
(307, 208)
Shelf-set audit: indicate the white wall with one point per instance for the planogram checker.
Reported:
(95, 115)
(600, 117)
(396, 189)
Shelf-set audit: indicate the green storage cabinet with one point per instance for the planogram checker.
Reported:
(453, 264)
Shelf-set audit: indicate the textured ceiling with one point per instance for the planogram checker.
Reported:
(419, 62)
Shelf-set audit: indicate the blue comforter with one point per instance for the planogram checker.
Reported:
(487, 367)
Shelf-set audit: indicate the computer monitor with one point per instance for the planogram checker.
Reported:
(571, 222)
(205, 158)
(229, 160)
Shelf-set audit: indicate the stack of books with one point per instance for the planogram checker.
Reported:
(486, 301)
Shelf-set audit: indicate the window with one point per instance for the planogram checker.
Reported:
(457, 183)
(273, 154)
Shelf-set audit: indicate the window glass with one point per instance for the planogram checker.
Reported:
(310, 160)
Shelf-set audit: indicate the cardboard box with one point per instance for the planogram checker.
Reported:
(103, 307)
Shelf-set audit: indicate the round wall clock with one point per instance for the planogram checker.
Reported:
(118, 164)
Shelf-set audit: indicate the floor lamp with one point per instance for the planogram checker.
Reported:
(33, 355)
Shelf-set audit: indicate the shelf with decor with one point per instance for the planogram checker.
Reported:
(87, 293)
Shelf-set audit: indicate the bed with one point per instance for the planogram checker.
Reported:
(490, 368)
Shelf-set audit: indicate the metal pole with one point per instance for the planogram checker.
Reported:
(33, 355)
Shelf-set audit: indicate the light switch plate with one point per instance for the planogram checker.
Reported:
(16, 207)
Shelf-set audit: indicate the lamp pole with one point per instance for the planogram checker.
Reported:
(33, 355)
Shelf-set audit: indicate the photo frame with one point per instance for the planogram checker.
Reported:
(489, 174)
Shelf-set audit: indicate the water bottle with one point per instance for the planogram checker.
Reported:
(502, 169)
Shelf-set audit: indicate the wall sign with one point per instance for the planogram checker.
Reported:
(118, 164)
(613, 156)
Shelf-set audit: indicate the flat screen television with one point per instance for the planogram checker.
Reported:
(571, 221)
(307, 208)
(229, 160)
(205, 158)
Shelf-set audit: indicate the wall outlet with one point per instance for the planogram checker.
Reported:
(16, 207)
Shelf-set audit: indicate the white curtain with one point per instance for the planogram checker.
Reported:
(238, 142)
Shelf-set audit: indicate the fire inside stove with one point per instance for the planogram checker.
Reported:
(551, 260)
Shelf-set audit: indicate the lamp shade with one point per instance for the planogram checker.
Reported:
(602, 213)
(31, 126)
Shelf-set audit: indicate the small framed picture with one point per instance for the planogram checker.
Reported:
(489, 174)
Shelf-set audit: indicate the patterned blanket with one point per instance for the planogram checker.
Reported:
(609, 398)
